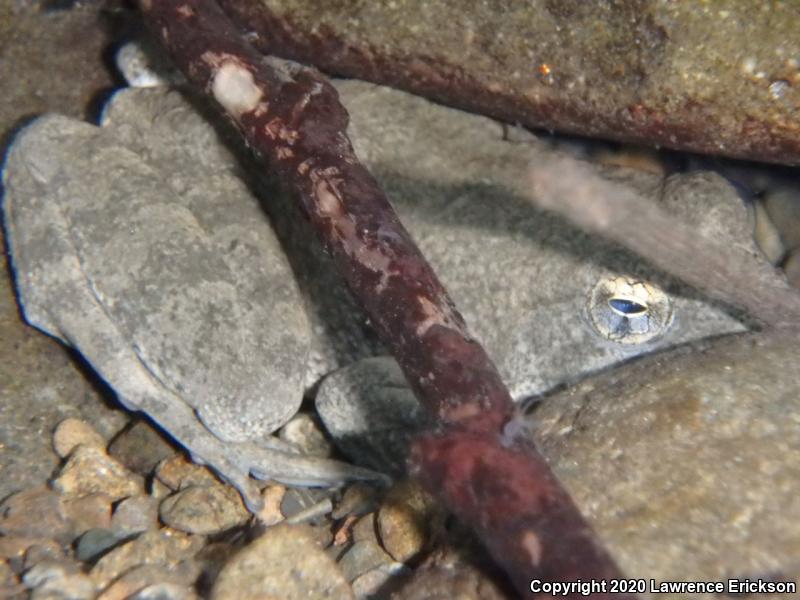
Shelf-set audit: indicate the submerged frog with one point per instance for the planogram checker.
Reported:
(140, 244)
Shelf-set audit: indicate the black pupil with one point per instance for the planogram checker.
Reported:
(628, 308)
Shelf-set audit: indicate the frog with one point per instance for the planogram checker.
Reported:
(194, 289)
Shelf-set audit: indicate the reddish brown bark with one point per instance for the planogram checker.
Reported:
(292, 116)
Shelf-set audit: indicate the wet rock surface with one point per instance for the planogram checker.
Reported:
(684, 475)
(42, 383)
(720, 79)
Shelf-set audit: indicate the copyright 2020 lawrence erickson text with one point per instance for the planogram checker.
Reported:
(640, 586)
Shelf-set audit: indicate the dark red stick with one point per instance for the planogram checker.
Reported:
(292, 116)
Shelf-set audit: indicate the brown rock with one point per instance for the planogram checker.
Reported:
(140, 447)
(72, 432)
(162, 547)
(204, 509)
(362, 556)
(9, 581)
(48, 551)
(88, 512)
(35, 513)
(283, 563)
(14, 547)
(381, 580)
(58, 579)
(135, 514)
(177, 473)
(668, 74)
(366, 528)
(144, 576)
(404, 520)
(90, 470)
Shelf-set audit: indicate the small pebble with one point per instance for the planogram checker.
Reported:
(204, 509)
(8, 579)
(72, 432)
(165, 591)
(35, 513)
(177, 473)
(164, 547)
(158, 489)
(305, 432)
(13, 547)
(95, 542)
(782, 203)
(135, 514)
(88, 512)
(362, 557)
(271, 513)
(791, 266)
(140, 447)
(376, 583)
(48, 551)
(141, 577)
(767, 236)
(62, 579)
(90, 470)
(283, 563)
(366, 529)
(404, 520)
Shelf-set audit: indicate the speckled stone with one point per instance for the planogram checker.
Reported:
(203, 509)
(283, 563)
(143, 576)
(361, 557)
(89, 470)
(35, 513)
(176, 473)
(73, 432)
(62, 579)
(687, 463)
(135, 514)
(404, 520)
(162, 547)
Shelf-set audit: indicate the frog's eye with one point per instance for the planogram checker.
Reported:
(627, 307)
(628, 311)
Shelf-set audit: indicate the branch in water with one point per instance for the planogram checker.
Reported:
(292, 116)
(721, 271)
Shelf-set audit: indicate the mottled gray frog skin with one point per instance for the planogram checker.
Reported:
(139, 244)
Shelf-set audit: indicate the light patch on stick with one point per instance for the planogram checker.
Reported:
(235, 89)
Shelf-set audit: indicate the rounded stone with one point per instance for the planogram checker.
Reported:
(73, 432)
(89, 470)
(204, 510)
(404, 520)
(283, 563)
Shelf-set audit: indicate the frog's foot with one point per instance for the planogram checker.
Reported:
(371, 412)
(236, 461)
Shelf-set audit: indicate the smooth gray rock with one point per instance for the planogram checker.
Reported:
(687, 463)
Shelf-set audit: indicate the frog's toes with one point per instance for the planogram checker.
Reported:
(300, 470)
